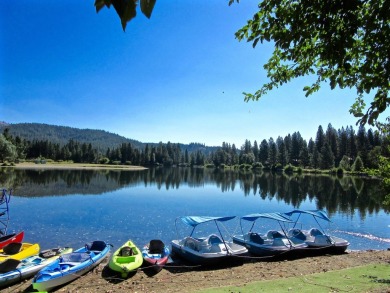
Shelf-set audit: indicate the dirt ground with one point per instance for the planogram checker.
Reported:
(177, 277)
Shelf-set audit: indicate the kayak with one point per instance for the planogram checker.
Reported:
(125, 259)
(155, 254)
(14, 237)
(13, 271)
(18, 251)
(71, 266)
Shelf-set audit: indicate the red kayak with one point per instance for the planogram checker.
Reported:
(155, 255)
(7, 239)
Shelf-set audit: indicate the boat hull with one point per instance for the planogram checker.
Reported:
(335, 245)
(123, 263)
(319, 244)
(28, 268)
(14, 237)
(270, 250)
(26, 250)
(200, 257)
(67, 268)
(153, 259)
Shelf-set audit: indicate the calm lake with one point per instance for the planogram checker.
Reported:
(72, 207)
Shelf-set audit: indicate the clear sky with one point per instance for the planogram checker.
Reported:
(176, 77)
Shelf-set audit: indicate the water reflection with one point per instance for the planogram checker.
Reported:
(335, 194)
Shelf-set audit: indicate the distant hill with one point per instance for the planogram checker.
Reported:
(99, 139)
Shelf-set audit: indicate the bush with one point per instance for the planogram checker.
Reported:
(245, 166)
(344, 163)
(104, 160)
(257, 165)
(339, 171)
(289, 169)
(358, 165)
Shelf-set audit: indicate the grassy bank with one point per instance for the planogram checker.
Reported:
(368, 278)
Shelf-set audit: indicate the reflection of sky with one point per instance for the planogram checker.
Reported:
(142, 213)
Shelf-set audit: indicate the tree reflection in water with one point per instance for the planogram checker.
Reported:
(335, 194)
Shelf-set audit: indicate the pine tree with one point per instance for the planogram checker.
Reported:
(332, 139)
(295, 148)
(272, 152)
(320, 138)
(327, 157)
(315, 159)
(263, 152)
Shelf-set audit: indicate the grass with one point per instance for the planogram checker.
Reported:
(369, 278)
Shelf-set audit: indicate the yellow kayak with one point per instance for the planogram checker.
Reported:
(14, 271)
(19, 251)
(126, 258)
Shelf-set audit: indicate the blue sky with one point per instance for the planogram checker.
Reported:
(176, 77)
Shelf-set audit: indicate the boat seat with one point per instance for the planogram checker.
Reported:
(214, 239)
(297, 233)
(126, 251)
(191, 243)
(8, 265)
(256, 238)
(96, 245)
(156, 246)
(315, 232)
(75, 257)
(64, 267)
(278, 242)
(12, 248)
(272, 234)
(49, 253)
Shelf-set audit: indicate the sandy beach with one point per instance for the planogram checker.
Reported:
(180, 278)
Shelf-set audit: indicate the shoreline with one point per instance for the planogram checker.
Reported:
(75, 166)
(180, 278)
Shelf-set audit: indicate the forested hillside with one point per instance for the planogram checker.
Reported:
(61, 135)
(61, 143)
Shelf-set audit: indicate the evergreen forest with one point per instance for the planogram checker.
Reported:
(344, 149)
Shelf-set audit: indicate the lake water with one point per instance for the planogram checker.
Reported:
(72, 207)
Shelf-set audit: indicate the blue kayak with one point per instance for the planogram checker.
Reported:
(71, 266)
(13, 271)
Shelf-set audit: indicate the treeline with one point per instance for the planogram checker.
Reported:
(332, 148)
(342, 148)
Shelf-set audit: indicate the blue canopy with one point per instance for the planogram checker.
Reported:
(272, 216)
(315, 213)
(196, 220)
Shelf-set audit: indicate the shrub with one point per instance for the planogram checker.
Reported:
(339, 171)
(288, 169)
(344, 163)
(257, 165)
(358, 165)
(104, 160)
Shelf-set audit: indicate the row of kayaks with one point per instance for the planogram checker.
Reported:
(58, 266)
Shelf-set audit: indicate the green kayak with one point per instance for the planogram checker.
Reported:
(126, 259)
